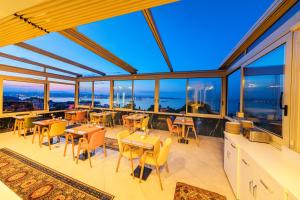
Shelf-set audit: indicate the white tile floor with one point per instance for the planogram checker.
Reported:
(201, 166)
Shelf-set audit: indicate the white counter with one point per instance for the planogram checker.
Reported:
(282, 165)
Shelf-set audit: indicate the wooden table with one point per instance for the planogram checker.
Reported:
(183, 122)
(136, 117)
(82, 130)
(146, 142)
(38, 125)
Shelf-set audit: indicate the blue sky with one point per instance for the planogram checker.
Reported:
(197, 35)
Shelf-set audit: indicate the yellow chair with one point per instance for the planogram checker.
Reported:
(142, 125)
(28, 125)
(127, 151)
(56, 130)
(157, 159)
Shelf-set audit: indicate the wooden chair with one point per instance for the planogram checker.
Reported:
(91, 143)
(55, 130)
(158, 160)
(127, 151)
(28, 125)
(80, 117)
(173, 128)
(126, 123)
(142, 125)
(116, 117)
(191, 127)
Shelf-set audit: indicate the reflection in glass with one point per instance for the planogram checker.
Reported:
(62, 96)
(263, 90)
(204, 95)
(101, 94)
(172, 95)
(123, 94)
(22, 96)
(144, 95)
(85, 93)
(233, 93)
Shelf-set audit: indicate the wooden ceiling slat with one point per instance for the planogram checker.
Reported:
(82, 40)
(150, 20)
(63, 14)
(13, 69)
(24, 60)
(57, 57)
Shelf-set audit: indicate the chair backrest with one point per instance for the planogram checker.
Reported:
(170, 124)
(80, 116)
(28, 122)
(120, 136)
(68, 116)
(108, 118)
(164, 152)
(91, 115)
(124, 118)
(145, 123)
(97, 139)
(58, 128)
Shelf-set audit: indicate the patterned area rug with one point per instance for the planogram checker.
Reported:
(187, 192)
(31, 180)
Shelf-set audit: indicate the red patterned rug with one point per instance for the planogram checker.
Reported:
(184, 191)
(31, 180)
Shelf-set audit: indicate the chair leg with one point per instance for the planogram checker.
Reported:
(120, 156)
(158, 174)
(142, 171)
(15, 126)
(25, 131)
(72, 140)
(104, 150)
(49, 142)
(131, 161)
(34, 132)
(89, 158)
(78, 153)
(67, 141)
(167, 167)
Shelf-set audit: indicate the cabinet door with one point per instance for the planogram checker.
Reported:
(246, 180)
(233, 163)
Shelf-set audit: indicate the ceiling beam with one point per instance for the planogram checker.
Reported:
(151, 23)
(57, 57)
(14, 69)
(87, 43)
(24, 60)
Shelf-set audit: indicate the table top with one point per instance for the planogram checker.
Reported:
(26, 116)
(84, 129)
(72, 112)
(102, 114)
(47, 122)
(136, 116)
(184, 121)
(143, 141)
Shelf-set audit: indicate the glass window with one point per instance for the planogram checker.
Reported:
(22, 96)
(123, 94)
(204, 95)
(85, 93)
(101, 94)
(233, 93)
(144, 95)
(62, 96)
(263, 90)
(172, 95)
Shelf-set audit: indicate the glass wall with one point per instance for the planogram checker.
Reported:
(62, 96)
(123, 94)
(233, 93)
(22, 96)
(172, 95)
(144, 95)
(204, 95)
(101, 94)
(263, 90)
(85, 93)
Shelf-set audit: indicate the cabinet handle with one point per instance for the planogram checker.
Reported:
(244, 162)
(254, 191)
(232, 145)
(265, 186)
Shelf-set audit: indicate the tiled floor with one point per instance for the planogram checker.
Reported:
(201, 166)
